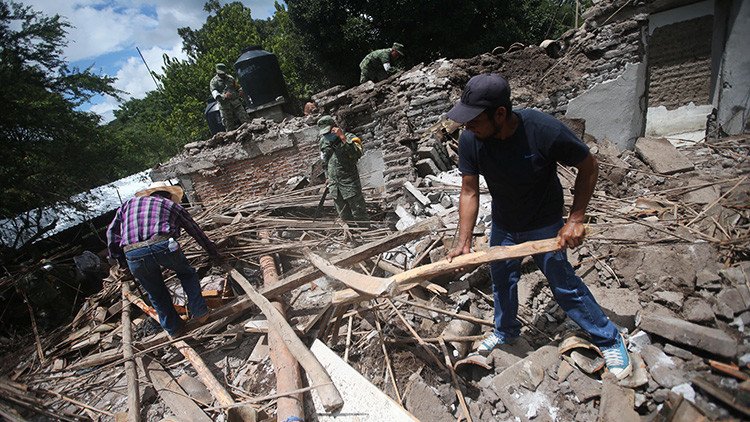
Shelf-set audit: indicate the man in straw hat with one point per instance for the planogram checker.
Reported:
(143, 236)
(380, 64)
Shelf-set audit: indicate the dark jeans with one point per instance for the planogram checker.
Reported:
(568, 289)
(146, 266)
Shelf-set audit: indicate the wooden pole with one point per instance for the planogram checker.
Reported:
(134, 397)
(288, 377)
(329, 394)
(214, 386)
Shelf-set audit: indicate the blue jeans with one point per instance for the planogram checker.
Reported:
(568, 289)
(146, 266)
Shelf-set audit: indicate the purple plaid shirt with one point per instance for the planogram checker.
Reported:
(140, 218)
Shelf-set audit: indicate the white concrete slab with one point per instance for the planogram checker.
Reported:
(362, 400)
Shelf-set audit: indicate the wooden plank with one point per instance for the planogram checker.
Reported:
(426, 272)
(362, 283)
(352, 257)
(327, 392)
(178, 401)
(721, 395)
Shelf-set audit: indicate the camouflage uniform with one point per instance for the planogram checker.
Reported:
(340, 161)
(232, 111)
(372, 66)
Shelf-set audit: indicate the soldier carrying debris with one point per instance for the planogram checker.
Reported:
(142, 237)
(228, 93)
(380, 64)
(340, 152)
(517, 152)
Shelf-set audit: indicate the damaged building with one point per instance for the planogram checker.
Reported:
(657, 89)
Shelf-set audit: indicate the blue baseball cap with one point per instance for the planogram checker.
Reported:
(481, 92)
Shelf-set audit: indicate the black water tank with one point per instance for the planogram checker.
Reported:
(213, 117)
(260, 76)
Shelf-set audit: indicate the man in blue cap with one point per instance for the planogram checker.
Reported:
(517, 152)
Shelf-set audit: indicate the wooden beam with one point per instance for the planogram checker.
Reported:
(327, 392)
(214, 386)
(354, 256)
(286, 367)
(178, 401)
(365, 284)
(134, 396)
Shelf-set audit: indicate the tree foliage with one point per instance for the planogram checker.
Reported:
(50, 149)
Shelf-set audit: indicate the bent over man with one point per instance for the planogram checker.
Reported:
(517, 152)
(143, 236)
(340, 152)
(227, 92)
(378, 65)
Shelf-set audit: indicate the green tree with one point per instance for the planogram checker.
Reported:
(49, 148)
(339, 33)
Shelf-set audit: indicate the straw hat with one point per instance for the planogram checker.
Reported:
(175, 191)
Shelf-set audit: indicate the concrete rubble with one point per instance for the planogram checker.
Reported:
(667, 257)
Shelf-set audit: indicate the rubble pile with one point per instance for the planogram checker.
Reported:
(667, 256)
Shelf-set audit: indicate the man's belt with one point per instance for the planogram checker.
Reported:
(153, 240)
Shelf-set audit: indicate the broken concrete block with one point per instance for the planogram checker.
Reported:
(521, 402)
(584, 387)
(704, 195)
(721, 309)
(662, 368)
(673, 350)
(617, 402)
(423, 402)
(697, 310)
(639, 376)
(732, 298)
(662, 156)
(708, 280)
(708, 339)
(672, 300)
(416, 194)
(432, 153)
(426, 166)
(620, 304)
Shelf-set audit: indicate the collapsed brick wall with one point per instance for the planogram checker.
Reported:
(680, 63)
(257, 176)
(401, 116)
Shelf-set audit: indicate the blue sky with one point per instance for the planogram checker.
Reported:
(105, 35)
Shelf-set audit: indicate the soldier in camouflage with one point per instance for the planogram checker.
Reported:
(380, 64)
(226, 91)
(340, 152)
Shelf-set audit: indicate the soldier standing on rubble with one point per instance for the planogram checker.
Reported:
(228, 93)
(340, 152)
(380, 64)
(517, 152)
(142, 238)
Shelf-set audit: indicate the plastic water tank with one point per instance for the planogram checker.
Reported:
(213, 117)
(259, 74)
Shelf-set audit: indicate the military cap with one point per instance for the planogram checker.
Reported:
(399, 47)
(325, 124)
(221, 68)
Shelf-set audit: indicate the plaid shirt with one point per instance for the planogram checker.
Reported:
(141, 218)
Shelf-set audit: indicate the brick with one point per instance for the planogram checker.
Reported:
(426, 166)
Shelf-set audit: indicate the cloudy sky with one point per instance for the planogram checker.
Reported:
(105, 35)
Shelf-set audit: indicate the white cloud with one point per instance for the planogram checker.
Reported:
(117, 27)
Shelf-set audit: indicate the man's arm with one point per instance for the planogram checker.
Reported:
(114, 237)
(468, 208)
(572, 233)
(191, 227)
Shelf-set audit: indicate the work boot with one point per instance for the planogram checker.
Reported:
(493, 340)
(617, 359)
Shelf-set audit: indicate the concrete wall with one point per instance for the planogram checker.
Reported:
(733, 100)
(614, 110)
